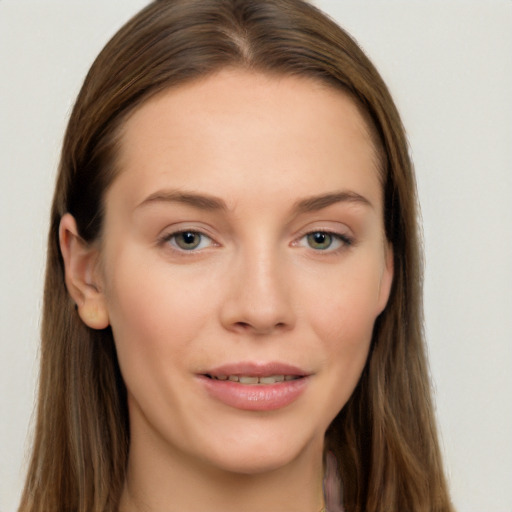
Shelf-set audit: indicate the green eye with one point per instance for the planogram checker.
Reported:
(187, 240)
(320, 240)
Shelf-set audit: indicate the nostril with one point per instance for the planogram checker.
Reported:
(259, 329)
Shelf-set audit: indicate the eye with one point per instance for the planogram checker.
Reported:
(188, 240)
(324, 241)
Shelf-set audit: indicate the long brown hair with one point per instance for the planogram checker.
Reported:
(385, 437)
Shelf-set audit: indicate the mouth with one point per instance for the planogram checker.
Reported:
(256, 373)
(256, 387)
(255, 380)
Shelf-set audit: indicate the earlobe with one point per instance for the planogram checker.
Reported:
(386, 280)
(94, 315)
(81, 274)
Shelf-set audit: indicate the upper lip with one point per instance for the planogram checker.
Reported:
(256, 369)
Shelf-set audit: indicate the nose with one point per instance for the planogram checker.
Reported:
(258, 298)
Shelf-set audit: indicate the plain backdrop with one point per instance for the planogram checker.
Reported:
(449, 67)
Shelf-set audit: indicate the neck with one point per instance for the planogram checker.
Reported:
(163, 479)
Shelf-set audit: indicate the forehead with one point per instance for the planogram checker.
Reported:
(239, 130)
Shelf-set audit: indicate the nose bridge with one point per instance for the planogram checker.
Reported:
(259, 298)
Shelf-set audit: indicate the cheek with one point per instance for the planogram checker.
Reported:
(155, 314)
(346, 329)
(344, 310)
(343, 317)
(346, 344)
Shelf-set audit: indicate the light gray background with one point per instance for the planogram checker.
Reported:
(449, 66)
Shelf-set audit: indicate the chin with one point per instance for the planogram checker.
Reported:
(261, 454)
(254, 463)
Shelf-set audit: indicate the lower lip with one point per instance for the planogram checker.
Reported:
(260, 397)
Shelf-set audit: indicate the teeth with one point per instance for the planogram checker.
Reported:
(272, 380)
(248, 379)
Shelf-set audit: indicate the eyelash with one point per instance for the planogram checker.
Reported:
(343, 240)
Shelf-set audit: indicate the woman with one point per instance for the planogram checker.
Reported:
(233, 296)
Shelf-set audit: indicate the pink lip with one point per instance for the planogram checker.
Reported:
(267, 397)
(257, 369)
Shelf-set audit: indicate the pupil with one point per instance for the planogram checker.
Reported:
(320, 240)
(189, 238)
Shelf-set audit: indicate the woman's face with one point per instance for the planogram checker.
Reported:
(243, 264)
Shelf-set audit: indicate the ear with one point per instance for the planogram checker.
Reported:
(386, 279)
(82, 276)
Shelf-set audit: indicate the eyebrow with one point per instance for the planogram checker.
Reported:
(200, 201)
(321, 201)
(212, 203)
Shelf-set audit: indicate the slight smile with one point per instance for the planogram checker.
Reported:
(255, 387)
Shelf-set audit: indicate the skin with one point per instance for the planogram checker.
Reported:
(255, 289)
